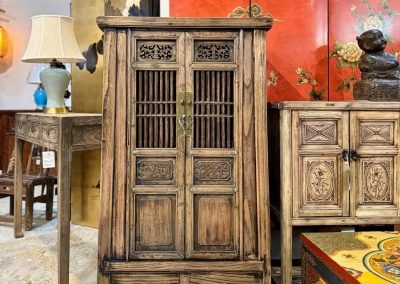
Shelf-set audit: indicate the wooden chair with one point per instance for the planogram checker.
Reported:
(29, 183)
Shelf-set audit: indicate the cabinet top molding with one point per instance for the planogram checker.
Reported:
(184, 23)
(336, 105)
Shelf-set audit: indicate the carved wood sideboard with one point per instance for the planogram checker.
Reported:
(184, 157)
(339, 165)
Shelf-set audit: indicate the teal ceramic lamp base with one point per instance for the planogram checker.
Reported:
(55, 81)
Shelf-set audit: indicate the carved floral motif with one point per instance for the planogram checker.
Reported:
(156, 51)
(220, 51)
(213, 170)
(320, 183)
(150, 171)
(377, 176)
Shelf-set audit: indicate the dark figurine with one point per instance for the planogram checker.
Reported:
(380, 71)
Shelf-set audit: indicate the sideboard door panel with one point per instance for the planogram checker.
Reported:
(156, 199)
(375, 140)
(318, 167)
(212, 221)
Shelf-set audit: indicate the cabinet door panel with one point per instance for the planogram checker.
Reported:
(319, 184)
(212, 223)
(155, 222)
(156, 199)
(375, 138)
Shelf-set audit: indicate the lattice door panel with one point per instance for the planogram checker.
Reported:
(156, 199)
(156, 109)
(212, 187)
(213, 109)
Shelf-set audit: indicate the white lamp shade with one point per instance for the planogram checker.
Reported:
(52, 37)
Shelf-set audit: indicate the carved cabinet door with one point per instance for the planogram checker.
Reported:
(320, 186)
(184, 185)
(374, 143)
(212, 184)
(156, 186)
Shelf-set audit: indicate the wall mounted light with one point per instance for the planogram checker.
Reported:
(3, 42)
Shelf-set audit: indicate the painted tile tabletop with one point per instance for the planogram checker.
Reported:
(369, 257)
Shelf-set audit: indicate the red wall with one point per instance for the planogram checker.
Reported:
(303, 35)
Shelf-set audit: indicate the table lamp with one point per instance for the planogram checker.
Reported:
(53, 41)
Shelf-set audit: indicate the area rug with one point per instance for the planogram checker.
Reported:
(33, 258)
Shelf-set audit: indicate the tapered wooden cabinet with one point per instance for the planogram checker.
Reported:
(184, 160)
(339, 164)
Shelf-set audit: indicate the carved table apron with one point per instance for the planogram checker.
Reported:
(63, 133)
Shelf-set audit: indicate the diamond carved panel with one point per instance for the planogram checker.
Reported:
(377, 133)
(319, 132)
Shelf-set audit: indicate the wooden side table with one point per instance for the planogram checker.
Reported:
(63, 133)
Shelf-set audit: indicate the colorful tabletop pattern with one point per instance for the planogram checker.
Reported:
(366, 257)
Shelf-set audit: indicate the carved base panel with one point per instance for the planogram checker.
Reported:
(195, 278)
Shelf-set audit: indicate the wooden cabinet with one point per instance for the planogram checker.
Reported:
(184, 163)
(338, 165)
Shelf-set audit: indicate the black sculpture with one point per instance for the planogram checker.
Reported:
(380, 71)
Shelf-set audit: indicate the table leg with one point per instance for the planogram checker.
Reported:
(18, 189)
(64, 158)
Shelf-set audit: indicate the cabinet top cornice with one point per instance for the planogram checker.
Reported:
(336, 105)
(184, 23)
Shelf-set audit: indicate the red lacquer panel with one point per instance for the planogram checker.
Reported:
(204, 8)
(311, 46)
(347, 19)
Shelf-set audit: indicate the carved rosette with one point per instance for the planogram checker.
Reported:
(324, 132)
(213, 51)
(377, 181)
(155, 171)
(377, 133)
(213, 171)
(320, 181)
(156, 51)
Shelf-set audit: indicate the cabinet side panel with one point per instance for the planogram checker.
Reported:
(118, 225)
(261, 144)
(250, 230)
(107, 158)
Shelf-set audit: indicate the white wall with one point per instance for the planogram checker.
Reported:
(15, 93)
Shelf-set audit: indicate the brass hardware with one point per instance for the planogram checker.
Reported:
(189, 114)
(180, 114)
(185, 113)
(182, 122)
